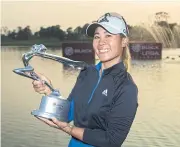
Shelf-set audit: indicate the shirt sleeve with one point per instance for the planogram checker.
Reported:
(119, 122)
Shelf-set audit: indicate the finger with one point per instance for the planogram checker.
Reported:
(38, 86)
(40, 75)
(43, 82)
(40, 91)
(59, 123)
(28, 73)
(44, 78)
(37, 82)
(55, 120)
(47, 121)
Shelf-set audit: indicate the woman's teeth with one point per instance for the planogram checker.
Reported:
(103, 51)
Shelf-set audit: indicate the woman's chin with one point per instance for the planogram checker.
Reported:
(104, 59)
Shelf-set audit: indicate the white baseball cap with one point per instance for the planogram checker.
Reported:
(112, 24)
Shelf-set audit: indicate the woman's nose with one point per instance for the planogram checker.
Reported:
(102, 41)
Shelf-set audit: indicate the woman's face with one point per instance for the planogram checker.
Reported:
(108, 47)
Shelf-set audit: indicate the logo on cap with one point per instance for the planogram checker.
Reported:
(124, 30)
(104, 19)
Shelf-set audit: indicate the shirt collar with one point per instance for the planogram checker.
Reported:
(113, 69)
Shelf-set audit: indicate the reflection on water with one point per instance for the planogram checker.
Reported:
(157, 120)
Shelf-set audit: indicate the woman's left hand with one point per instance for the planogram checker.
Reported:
(64, 126)
(55, 123)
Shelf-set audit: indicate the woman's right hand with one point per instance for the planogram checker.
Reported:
(40, 86)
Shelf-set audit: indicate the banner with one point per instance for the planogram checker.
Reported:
(151, 51)
(79, 51)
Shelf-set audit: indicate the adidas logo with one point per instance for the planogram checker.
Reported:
(105, 92)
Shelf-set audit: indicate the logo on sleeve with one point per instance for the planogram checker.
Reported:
(105, 92)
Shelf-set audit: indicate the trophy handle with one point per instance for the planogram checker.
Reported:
(28, 72)
(40, 50)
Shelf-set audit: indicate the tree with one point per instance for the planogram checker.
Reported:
(12, 34)
(4, 30)
(78, 30)
(23, 34)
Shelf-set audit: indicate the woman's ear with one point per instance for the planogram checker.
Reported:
(125, 41)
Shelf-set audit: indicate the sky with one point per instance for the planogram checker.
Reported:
(77, 13)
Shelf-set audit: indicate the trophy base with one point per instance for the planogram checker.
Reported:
(46, 115)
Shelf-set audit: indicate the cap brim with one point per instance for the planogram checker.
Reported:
(92, 27)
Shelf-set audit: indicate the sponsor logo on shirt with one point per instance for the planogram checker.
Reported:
(105, 92)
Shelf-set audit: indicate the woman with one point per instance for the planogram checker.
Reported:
(104, 98)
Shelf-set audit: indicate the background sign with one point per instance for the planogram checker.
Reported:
(79, 52)
(143, 50)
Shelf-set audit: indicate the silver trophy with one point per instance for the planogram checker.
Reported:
(52, 105)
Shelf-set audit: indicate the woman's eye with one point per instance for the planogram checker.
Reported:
(96, 37)
(108, 35)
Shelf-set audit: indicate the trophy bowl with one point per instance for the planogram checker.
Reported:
(53, 106)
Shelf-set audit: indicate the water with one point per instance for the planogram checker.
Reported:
(167, 34)
(156, 123)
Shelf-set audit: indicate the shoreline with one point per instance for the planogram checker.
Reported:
(52, 42)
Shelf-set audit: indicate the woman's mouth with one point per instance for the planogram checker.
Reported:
(103, 50)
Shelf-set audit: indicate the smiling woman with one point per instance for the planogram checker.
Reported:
(115, 34)
(104, 98)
